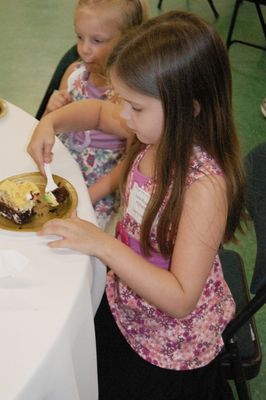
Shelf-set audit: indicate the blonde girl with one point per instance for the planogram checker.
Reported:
(99, 25)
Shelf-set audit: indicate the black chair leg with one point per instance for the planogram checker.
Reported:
(232, 24)
(262, 22)
(213, 9)
(230, 41)
(160, 4)
(240, 379)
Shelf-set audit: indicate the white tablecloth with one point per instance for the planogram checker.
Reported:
(47, 342)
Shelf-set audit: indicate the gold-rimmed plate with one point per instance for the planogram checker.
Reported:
(3, 108)
(43, 212)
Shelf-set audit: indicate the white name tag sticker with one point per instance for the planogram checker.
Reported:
(137, 203)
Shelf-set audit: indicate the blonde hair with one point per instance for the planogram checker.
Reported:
(133, 12)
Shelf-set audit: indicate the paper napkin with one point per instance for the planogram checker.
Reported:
(11, 262)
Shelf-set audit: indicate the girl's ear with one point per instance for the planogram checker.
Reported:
(196, 106)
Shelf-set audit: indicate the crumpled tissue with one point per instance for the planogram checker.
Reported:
(11, 262)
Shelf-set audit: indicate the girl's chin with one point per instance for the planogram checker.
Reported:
(142, 139)
(145, 140)
(91, 67)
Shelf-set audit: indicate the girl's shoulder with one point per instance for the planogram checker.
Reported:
(70, 70)
(202, 164)
(77, 70)
(74, 66)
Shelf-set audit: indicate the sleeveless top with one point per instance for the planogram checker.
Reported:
(80, 87)
(179, 344)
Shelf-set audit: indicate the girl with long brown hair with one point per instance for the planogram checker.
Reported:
(159, 326)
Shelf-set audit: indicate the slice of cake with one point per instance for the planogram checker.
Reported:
(17, 200)
(57, 196)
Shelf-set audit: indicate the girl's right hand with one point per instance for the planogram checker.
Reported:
(77, 234)
(58, 99)
(42, 142)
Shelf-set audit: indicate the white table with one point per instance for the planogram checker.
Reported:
(47, 342)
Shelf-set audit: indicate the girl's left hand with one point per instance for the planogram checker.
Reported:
(76, 234)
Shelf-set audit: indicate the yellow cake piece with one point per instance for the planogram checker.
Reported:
(19, 195)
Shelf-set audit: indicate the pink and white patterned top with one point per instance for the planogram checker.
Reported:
(179, 344)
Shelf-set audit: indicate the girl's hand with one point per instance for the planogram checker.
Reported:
(41, 143)
(76, 234)
(58, 99)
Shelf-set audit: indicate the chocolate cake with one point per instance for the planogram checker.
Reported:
(57, 196)
(17, 200)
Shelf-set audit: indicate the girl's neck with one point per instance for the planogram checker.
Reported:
(98, 80)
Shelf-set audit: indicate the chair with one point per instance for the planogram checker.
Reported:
(215, 12)
(257, 4)
(68, 58)
(241, 356)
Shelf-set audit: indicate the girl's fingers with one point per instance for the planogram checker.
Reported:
(61, 243)
(74, 214)
(54, 227)
(47, 153)
(67, 97)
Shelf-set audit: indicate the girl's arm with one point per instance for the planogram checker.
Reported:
(81, 115)
(106, 184)
(177, 291)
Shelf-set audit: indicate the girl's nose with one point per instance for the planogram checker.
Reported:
(86, 47)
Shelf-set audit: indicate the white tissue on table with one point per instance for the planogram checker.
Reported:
(11, 262)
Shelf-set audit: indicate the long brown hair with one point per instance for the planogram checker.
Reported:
(179, 58)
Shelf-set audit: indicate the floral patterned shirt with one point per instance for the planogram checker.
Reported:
(179, 344)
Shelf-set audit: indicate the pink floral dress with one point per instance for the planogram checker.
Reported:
(179, 344)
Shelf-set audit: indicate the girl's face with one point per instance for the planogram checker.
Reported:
(144, 114)
(97, 34)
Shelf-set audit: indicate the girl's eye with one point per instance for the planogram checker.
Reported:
(136, 109)
(96, 40)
